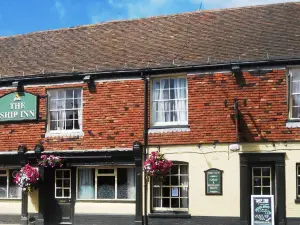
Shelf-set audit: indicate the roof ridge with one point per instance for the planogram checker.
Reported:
(147, 18)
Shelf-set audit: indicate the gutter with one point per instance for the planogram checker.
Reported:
(154, 71)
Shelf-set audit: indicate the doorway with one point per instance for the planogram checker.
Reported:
(59, 196)
(262, 174)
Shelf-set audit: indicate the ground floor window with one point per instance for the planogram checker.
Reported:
(172, 194)
(106, 183)
(8, 188)
(298, 181)
(261, 180)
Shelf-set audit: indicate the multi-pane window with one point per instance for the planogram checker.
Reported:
(106, 183)
(65, 109)
(298, 181)
(295, 94)
(8, 189)
(261, 181)
(169, 101)
(172, 193)
(63, 183)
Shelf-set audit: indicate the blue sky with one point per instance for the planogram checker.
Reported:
(18, 17)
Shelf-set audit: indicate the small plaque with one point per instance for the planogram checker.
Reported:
(213, 182)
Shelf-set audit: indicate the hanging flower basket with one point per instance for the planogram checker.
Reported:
(50, 161)
(27, 178)
(157, 166)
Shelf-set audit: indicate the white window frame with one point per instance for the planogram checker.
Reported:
(74, 132)
(290, 94)
(96, 174)
(7, 175)
(162, 124)
(261, 177)
(63, 188)
(170, 186)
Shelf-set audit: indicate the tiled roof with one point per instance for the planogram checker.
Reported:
(197, 38)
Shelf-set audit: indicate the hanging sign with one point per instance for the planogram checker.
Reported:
(262, 210)
(18, 107)
(213, 182)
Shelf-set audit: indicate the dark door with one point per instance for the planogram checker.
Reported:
(262, 182)
(59, 202)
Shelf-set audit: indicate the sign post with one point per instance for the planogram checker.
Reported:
(213, 182)
(17, 106)
(262, 210)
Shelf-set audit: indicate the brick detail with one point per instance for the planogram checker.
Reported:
(113, 114)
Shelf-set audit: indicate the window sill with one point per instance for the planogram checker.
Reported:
(107, 200)
(183, 215)
(169, 129)
(297, 201)
(65, 134)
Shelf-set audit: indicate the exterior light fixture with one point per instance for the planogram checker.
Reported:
(18, 85)
(38, 149)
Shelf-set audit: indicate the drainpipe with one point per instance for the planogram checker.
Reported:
(145, 145)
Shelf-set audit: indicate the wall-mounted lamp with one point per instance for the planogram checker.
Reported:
(90, 81)
(38, 149)
(18, 85)
(22, 149)
(158, 148)
(214, 144)
(199, 146)
(236, 69)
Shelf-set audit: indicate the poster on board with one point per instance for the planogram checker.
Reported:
(262, 210)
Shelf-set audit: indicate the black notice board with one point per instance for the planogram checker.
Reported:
(262, 210)
(213, 182)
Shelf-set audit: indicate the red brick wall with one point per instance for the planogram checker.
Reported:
(113, 115)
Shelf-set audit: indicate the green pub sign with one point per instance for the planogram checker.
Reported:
(213, 182)
(18, 107)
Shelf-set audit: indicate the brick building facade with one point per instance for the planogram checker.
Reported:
(207, 99)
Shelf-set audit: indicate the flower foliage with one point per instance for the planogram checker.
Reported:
(157, 166)
(50, 161)
(27, 178)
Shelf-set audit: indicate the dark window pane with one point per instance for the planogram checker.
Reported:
(165, 83)
(122, 183)
(66, 173)
(53, 125)
(172, 83)
(69, 93)
(157, 192)
(166, 202)
(266, 172)
(106, 187)
(66, 193)
(53, 115)
(257, 191)
(69, 115)
(256, 172)
(75, 113)
(76, 125)
(172, 94)
(69, 125)
(183, 203)
(58, 193)
(58, 173)
(174, 180)
(156, 202)
(266, 191)
(69, 104)
(298, 180)
(66, 183)
(257, 181)
(3, 172)
(166, 181)
(298, 170)
(184, 180)
(58, 183)
(266, 181)
(296, 112)
(77, 93)
(166, 192)
(77, 103)
(175, 203)
(184, 192)
(3, 187)
(184, 170)
(174, 169)
(298, 190)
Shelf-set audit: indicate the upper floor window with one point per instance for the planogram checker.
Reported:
(8, 188)
(295, 94)
(65, 110)
(169, 101)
